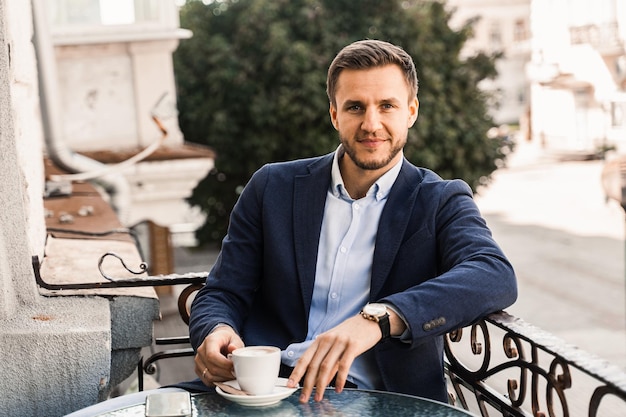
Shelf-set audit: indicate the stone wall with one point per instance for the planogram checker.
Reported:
(55, 352)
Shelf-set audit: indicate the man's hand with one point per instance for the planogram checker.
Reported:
(211, 361)
(332, 353)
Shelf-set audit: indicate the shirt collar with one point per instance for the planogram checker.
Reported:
(380, 188)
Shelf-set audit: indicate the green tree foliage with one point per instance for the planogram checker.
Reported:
(252, 80)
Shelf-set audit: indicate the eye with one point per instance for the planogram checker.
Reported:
(355, 108)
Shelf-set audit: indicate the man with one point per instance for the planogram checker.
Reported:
(355, 263)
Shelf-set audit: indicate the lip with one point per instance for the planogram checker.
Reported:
(371, 142)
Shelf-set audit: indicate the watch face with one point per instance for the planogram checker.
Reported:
(375, 309)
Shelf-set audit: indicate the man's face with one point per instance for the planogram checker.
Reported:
(373, 115)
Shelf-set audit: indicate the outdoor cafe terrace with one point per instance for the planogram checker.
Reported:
(499, 366)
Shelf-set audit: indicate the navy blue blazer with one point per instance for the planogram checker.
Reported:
(435, 261)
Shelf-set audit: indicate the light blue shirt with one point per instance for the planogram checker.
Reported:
(344, 266)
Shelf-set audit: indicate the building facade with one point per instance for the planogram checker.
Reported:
(577, 73)
(562, 76)
(500, 26)
(107, 73)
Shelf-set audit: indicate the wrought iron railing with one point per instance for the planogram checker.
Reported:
(148, 366)
(194, 281)
(112, 282)
(499, 366)
(502, 366)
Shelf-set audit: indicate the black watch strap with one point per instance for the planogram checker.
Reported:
(385, 327)
(380, 314)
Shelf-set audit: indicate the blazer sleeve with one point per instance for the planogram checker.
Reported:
(451, 269)
(233, 280)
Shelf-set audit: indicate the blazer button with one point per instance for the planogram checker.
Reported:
(427, 326)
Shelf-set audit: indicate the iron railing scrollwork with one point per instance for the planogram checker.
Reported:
(148, 366)
(196, 278)
(533, 375)
(194, 281)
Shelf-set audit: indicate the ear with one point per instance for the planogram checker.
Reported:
(414, 106)
(333, 116)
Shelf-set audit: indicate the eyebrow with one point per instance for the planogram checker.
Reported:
(391, 100)
(350, 103)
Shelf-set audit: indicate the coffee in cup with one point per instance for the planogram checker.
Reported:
(256, 368)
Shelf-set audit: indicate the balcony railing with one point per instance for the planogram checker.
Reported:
(502, 366)
(499, 366)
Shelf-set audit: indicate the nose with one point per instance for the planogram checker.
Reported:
(371, 121)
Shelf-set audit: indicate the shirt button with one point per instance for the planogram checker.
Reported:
(343, 249)
(290, 353)
(356, 206)
(333, 295)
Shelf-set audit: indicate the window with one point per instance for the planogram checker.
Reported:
(618, 114)
(495, 36)
(520, 32)
(68, 17)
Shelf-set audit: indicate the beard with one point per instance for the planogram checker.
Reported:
(372, 164)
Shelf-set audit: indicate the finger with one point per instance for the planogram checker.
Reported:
(305, 391)
(326, 372)
(213, 356)
(298, 371)
(322, 383)
(206, 378)
(342, 377)
(302, 367)
(342, 368)
(339, 354)
(207, 372)
(296, 375)
(199, 364)
(319, 371)
(219, 366)
(231, 347)
(202, 371)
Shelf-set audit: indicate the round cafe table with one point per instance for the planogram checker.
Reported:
(351, 402)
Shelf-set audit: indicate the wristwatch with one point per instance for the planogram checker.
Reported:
(378, 312)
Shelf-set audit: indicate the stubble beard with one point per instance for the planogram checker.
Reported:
(372, 165)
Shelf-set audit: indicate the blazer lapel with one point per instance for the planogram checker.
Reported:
(308, 209)
(393, 223)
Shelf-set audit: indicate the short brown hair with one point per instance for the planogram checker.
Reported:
(367, 54)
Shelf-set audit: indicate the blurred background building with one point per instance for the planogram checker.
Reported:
(563, 73)
(107, 72)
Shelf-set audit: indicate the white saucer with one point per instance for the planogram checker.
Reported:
(280, 392)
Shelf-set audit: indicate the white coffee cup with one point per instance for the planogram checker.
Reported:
(256, 368)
